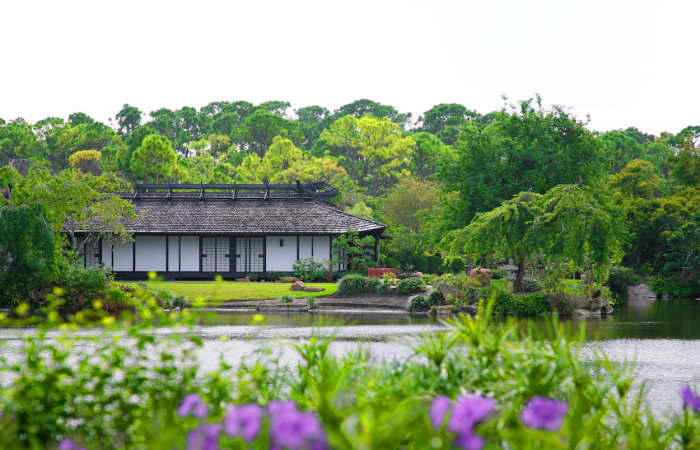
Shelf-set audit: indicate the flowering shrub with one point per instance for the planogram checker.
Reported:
(308, 269)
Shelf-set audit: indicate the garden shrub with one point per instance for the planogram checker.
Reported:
(503, 301)
(272, 276)
(455, 264)
(531, 284)
(118, 300)
(287, 298)
(618, 279)
(435, 264)
(384, 288)
(435, 298)
(417, 303)
(312, 302)
(355, 283)
(498, 274)
(671, 286)
(81, 286)
(308, 269)
(252, 276)
(411, 285)
(528, 305)
(180, 302)
(562, 302)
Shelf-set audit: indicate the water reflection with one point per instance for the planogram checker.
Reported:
(640, 318)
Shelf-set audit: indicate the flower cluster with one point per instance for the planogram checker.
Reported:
(690, 399)
(69, 444)
(289, 428)
(193, 404)
(465, 414)
(544, 413)
(293, 429)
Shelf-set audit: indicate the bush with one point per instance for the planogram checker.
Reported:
(417, 303)
(118, 300)
(313, 304)
(533, 304)
(180, 302)
(253, 276)
(455, 264)
(411, 285)
(287, 298)
(671, 286)
(354, 283)
(562, 302)
(81, 286)
(435, 264)
(272, 276)
(384, 288)
(435, 298)
(498, 274)
(504, 301)
(531, 284)
(308, 269)
(618, 280)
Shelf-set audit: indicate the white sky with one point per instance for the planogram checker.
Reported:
(627, 63)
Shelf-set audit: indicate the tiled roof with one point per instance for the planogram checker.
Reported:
(245, 216)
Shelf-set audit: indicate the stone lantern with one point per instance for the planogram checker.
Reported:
(511, 274)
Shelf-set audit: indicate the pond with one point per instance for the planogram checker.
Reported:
(662, 336)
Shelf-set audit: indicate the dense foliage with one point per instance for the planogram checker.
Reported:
(428, 178)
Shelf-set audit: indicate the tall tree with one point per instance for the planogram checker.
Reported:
(312, 121)
(570, 221)
(618, 150)
(128, 120)
(16, 141)
(276, 107)
(259, 129)
(55, 142)
(373, 150)
(427, 154)
(529, 148)
(364, 107)
(154, 160)
(445, 121)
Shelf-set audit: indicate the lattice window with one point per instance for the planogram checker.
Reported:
(222, 254)
(208, 254)
(241, 254)
(93, 258)
(257, 255)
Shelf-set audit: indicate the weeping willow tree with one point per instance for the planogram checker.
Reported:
(571, 221)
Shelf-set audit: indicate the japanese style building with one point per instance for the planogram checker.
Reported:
(188, 232)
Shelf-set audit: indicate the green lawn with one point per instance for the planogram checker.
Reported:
(233, 291)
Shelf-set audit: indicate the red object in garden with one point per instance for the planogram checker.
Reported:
(378, 273)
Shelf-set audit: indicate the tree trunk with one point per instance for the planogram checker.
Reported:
(518, 283)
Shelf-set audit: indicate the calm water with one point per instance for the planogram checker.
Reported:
(663, 336)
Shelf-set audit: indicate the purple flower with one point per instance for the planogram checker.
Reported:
(69, 444)
(244, 421)
(438, 411)
(193, 404)
(544, 413)
(690, 400)
(469, 441)
(292, 429)
(204, 437)
(469, 411)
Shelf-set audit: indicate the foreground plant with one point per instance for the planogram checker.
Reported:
(475, 386)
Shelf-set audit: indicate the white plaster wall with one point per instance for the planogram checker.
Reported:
(124, 257)
(280, 259)
(150, 253)
(322, 248)
(189, 253)
(173, 253)
(305, 247)
(107, 251)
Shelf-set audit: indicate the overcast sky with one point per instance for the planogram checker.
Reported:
(626, 63)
